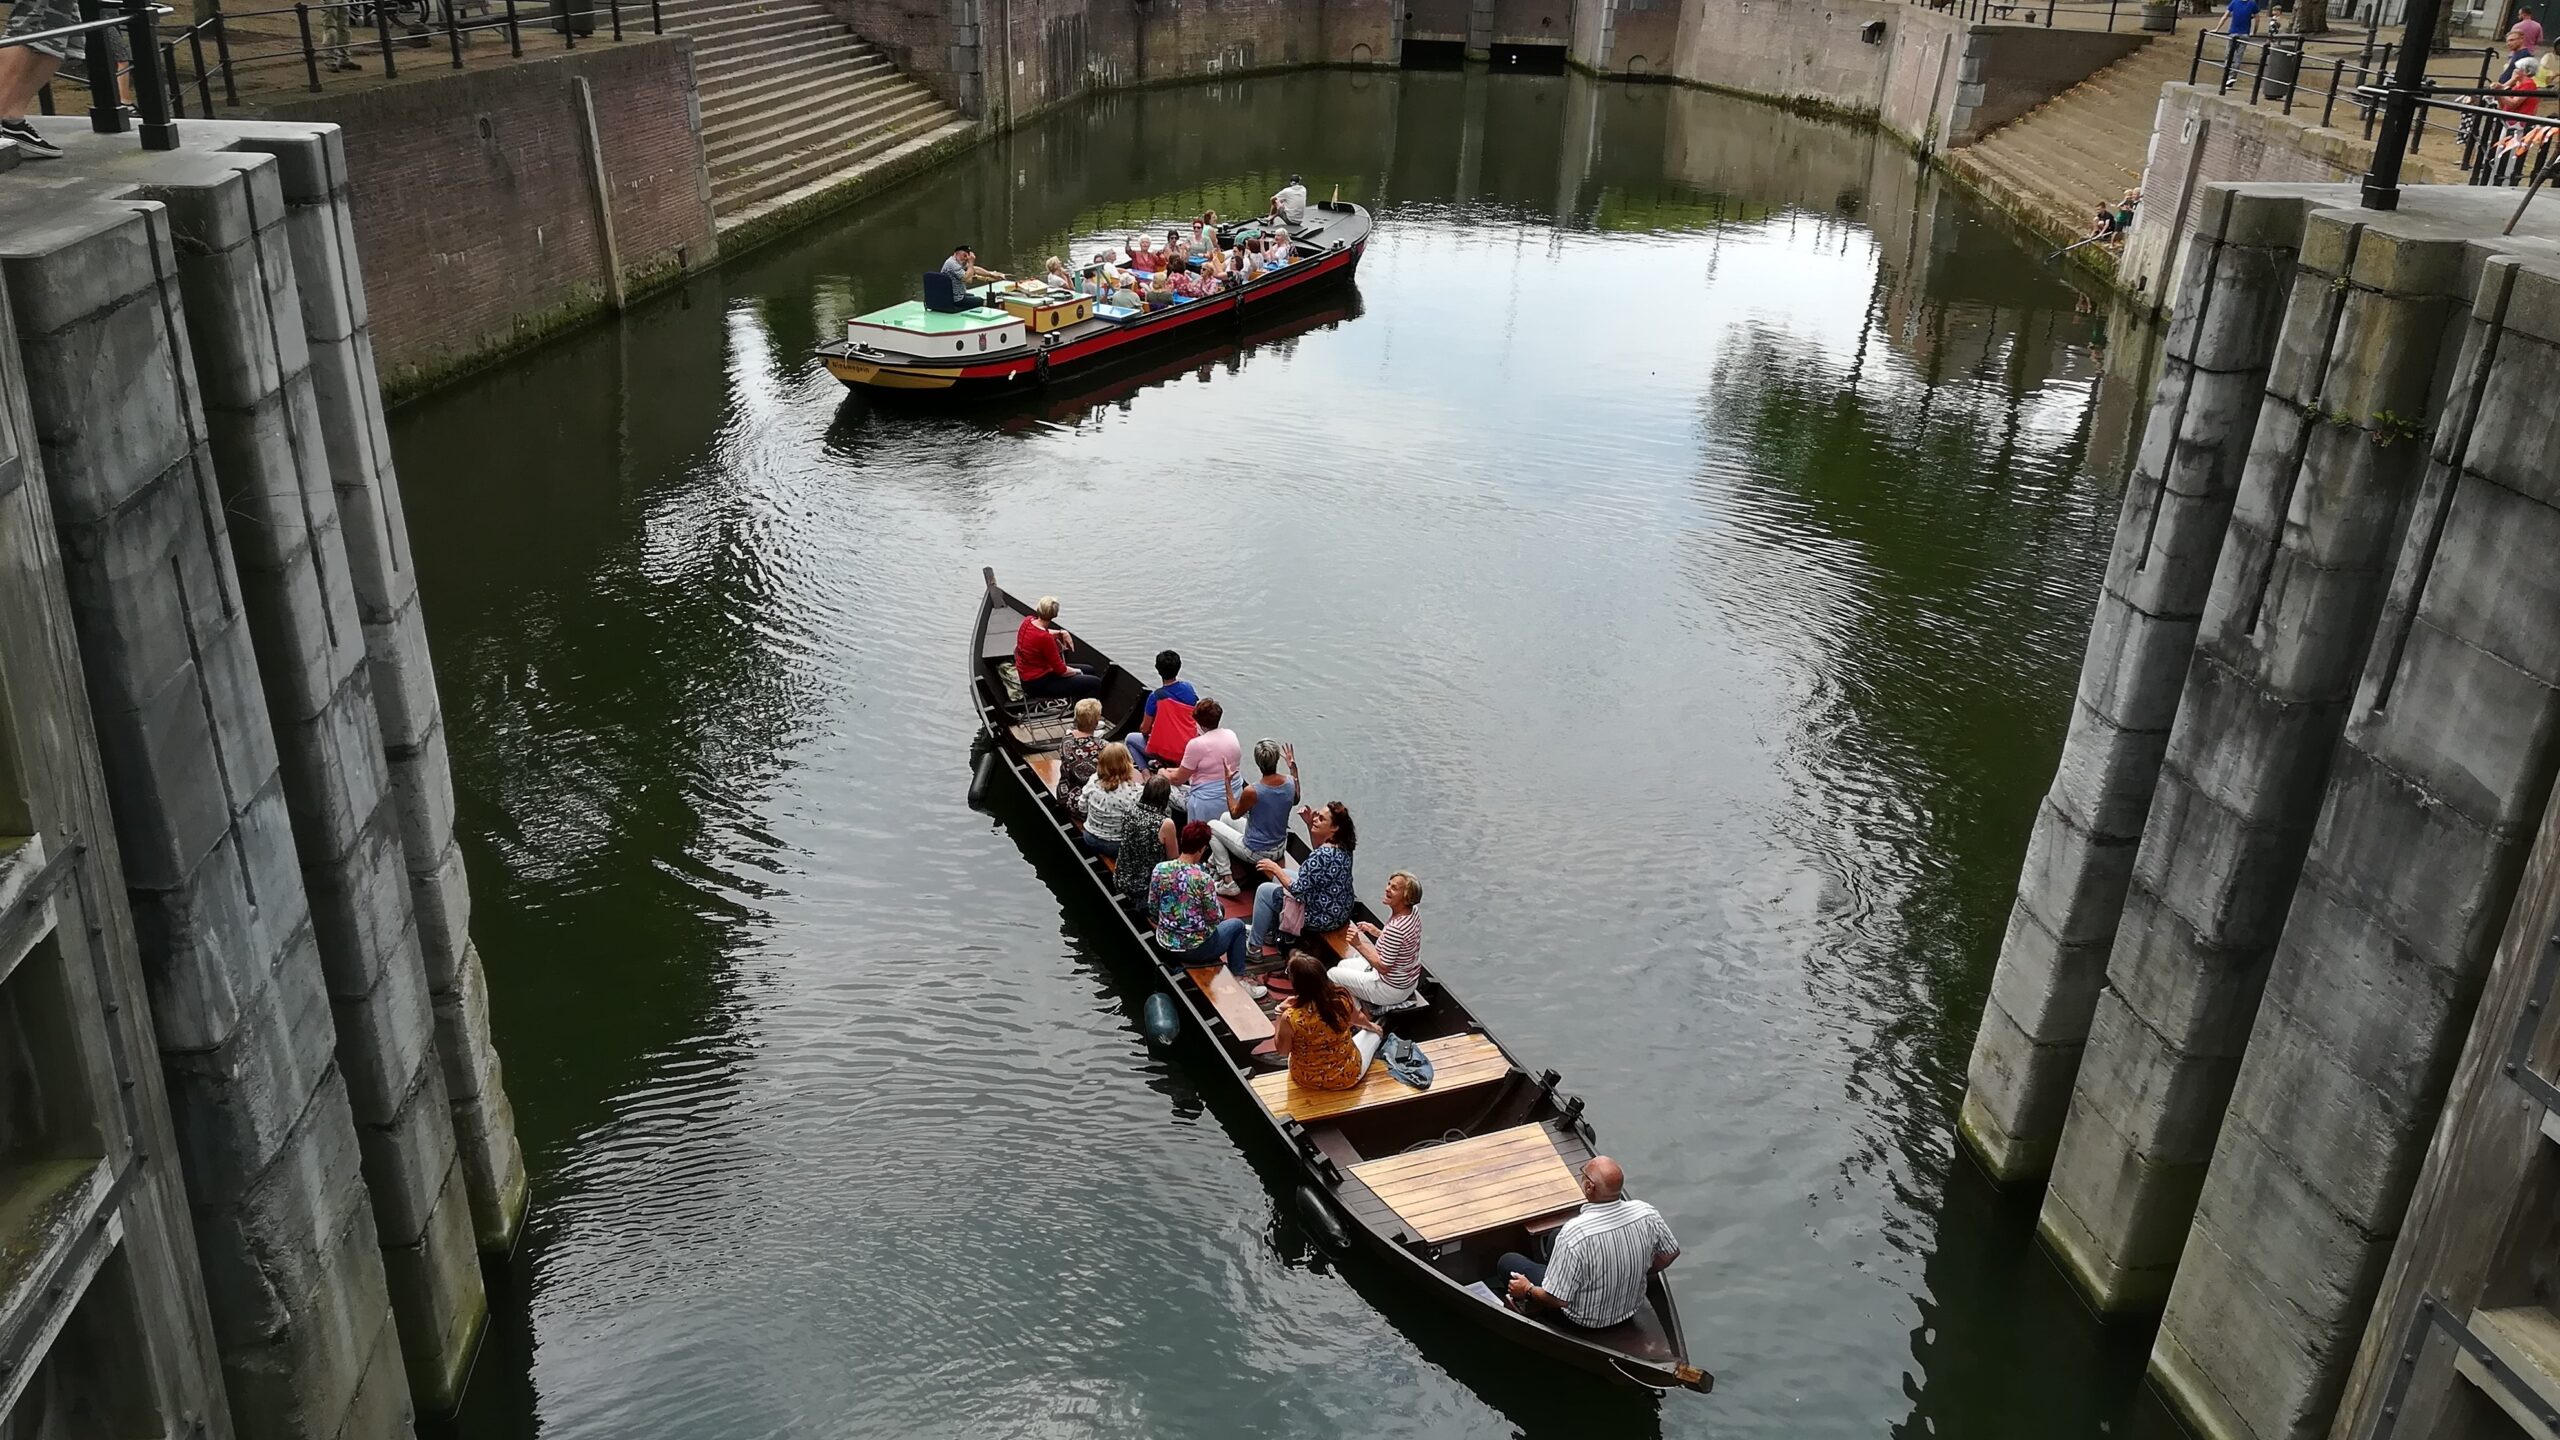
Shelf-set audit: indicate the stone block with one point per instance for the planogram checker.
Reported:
(305, 1384)
(164, 777)
(437, 1301)
(382, 1404)
(2386, 354)
(2428, 875)
(2235, 333)
(404, 679)
(2496, 580)
(2263, 756)
(2300, 365)
(2396, 263)
(2225, 877)
(2204, 996)
(2298, 633)
(2350, 501)
(230, 320)
(111, 411)
(470, 1060)
(2215, 429)
(2262, 1365)
(334, 769)
(2161, 1102)
(235, 690)
(2174, 576)
(236, 1105)
(2533, 298)
(2513, 437)
(264, 834)
(2159, 429)
(385, 1039)
(2111, 1284)
(133, 579)
(441, 895)
(67, 258)
(2071, 884)
(258, 459)
(199, 956)
(409, 1161)
(2133, 671)
(328, 317)
(492, 1170)
(211, 202)
(424, 786)
(2472, 730)
(269, 1248)
(310, 161)
(2329, 240)
(2017, 1094)
(360, 908)
(2103, 781)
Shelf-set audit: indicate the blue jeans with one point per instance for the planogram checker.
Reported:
(1267, 900)
(1099, 847)
(1225, 944)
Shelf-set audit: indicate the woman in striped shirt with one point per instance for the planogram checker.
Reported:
(1387, 962)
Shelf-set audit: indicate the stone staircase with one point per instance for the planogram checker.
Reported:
(2058, 161)
(793, 103)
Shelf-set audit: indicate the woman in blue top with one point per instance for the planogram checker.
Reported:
(1321, 888)
(1256, 825)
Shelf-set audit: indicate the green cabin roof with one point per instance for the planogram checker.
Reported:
(915, 319)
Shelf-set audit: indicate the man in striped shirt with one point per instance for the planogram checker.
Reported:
(1386, 960)
(1602, 1256)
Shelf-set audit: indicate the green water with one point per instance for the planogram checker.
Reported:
(1676, 549)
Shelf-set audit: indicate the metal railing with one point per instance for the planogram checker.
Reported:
(2495, 144)
(140, 22)
(2046, 12)
(213, 56)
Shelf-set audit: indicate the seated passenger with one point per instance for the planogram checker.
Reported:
(1386, 962)
(1149, 840)
(1213, 267)
(1057, 274)
(1277, 254)
(1142, 259)
(1166, 728)
(1204, 231)
(1213, 757)
(1596, 1272)
(1319, 898)
(1255, 826)
(1191, 284)
(1160, 294)
(1328, 1038)
(1183, 901)
(1177, 248)
(1076, 758)
(1109, 800)
(1040, 662)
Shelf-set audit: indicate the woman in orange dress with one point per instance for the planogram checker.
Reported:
(1328, 1038)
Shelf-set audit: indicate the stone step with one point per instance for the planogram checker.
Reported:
(737, 211)
(786, 89)
(761, 32)
(738, 189)
(704, 19)
(795, 131)
(715, 71)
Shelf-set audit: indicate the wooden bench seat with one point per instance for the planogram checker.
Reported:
(1234, 1004)
(1457, 1062)
(1046, 767)
(1476, 1184)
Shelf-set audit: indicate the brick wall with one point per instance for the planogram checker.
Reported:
(473, 208)
(1041, 53)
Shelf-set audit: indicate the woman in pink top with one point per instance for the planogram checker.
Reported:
(1211, 764)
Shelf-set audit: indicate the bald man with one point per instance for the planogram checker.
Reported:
(1601, 1259)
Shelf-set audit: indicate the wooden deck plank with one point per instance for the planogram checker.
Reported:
(1227, 995)
(1046, 767)
(1475, 1184)
(1457, 1062)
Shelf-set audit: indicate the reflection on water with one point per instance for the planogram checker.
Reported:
(1676, 548)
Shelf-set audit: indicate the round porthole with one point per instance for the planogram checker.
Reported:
(959, 345)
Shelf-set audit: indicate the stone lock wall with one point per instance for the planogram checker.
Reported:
(194, 326)
(2318, 725)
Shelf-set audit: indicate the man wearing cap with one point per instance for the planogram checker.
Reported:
(964, 270)
(1290, 205)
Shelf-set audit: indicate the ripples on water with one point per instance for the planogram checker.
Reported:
(1677, 551)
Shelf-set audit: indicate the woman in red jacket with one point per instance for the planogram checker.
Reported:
(1040, 661)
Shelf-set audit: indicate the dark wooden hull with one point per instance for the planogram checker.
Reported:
(1649, 1354)
(1098, 343)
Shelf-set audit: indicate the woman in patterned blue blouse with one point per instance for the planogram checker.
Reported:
(1322, 887)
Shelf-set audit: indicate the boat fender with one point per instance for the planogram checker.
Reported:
(1040, 365)
(1317, 1214)
(983, 783)
(1160, 1019)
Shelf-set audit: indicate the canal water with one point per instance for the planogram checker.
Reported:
(1676, 551)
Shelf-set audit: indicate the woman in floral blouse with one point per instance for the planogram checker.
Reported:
(1077, 756)
(1184, 901)
(1322, 888)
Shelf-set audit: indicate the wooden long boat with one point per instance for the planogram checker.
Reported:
(1020, 342)
(1434, 1184)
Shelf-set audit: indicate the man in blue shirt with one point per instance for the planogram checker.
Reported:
(1176, 689)
(2243, 15)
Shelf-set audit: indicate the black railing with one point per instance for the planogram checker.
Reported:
(2495, 144)
(2047, 13)
(139, 22)
(315, 38)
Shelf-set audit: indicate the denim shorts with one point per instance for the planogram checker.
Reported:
(26, 17)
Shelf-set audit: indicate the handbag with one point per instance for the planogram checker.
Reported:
(1405, 1061)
